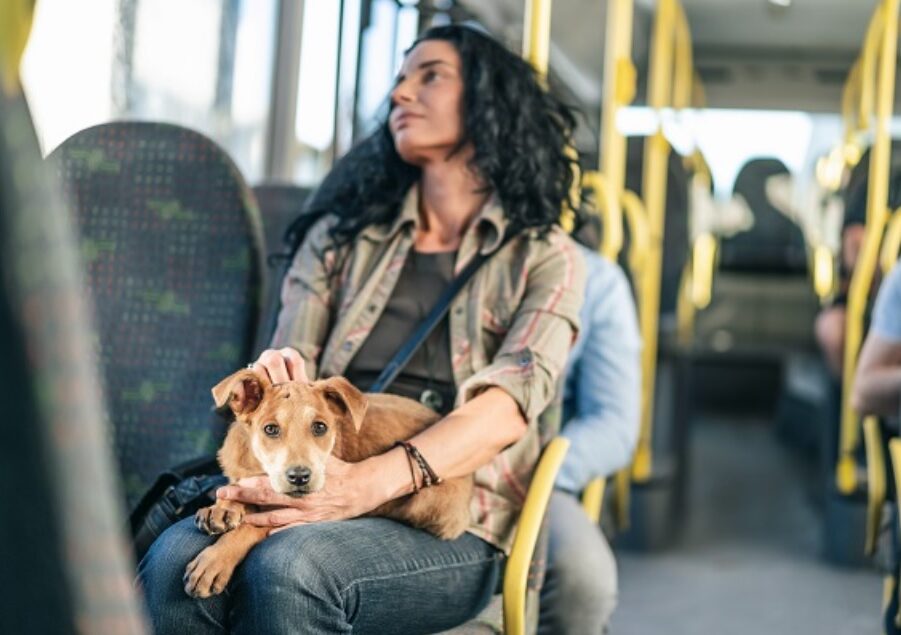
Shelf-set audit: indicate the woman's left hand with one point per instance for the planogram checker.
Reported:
(348, 493)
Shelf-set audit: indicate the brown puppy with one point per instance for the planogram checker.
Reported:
(287, 432)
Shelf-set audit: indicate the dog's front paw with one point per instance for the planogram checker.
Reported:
(208, 574)
(219, 518)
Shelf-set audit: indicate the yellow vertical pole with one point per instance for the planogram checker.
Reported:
(536, 46)
(877, 213)
(619, 90)
(15, 25)
(654, 179)
(536, 34)
(868, 76)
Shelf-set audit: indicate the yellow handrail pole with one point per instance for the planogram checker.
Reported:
(15, 25)
(823, 271)
(862, 278)
(593, 499)
(850, 102)
(530, 520)
(619, 91)
(536, 35)
(536, 46)
(868, 58)
(703, 263)
(639, 232)
(876, 482)
(657, 149)
(891, 244)
(683, 74)
(654, 179)
(685, 308)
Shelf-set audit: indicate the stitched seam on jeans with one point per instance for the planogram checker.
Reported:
(429, 569)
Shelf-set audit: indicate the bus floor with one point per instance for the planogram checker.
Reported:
(748, 558)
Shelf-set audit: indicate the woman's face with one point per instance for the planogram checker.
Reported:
(427, 103)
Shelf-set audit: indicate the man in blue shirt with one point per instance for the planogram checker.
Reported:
(601, 419)
(877, 386)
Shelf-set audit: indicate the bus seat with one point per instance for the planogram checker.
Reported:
(171, 241)
(280, 205)
(774, 244)
(64, 565)
(676, 245)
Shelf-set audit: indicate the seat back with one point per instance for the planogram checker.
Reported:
(280, 205)
(64, 566)
(676, 245)
(171, 240)
(774, 243)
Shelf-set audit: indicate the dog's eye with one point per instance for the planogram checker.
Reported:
(319, 428)
(271, 429)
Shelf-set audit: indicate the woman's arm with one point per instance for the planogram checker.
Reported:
(496, 406)
(877, 386)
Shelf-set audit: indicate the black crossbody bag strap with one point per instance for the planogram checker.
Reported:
(430, 321)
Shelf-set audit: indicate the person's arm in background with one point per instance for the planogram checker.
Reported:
(603, 430)
(877, 385)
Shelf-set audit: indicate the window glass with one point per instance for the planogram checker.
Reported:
(204, 64)
(66, 71)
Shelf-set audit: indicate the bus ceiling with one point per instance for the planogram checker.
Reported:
(766, 54)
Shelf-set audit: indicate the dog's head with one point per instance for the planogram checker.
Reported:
(293, 426)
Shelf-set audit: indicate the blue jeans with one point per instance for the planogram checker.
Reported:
(579, 592)
(368, 575)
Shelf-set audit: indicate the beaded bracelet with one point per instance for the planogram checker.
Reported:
(429, 477)
(416, 487)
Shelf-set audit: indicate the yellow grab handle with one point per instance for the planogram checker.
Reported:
(823, 271)
(623, 484)
(516, 573)
(593, 499)
(703, 261)
(875, 481)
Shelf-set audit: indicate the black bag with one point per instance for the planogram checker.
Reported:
(176, 494)
(181, 491)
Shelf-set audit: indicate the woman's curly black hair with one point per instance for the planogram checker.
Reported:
(519, 132)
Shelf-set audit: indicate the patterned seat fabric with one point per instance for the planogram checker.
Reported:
(280, 206)
(63, 562)
(170, 237)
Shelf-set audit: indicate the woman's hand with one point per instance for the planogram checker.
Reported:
(350, 491)
(281, 365)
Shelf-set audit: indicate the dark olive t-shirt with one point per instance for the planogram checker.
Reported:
(428, 376)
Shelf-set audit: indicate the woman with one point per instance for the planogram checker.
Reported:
(472, 151)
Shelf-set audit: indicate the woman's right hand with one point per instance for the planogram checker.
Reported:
(281, 365)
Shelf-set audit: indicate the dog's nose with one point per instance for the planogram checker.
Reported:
(298, 475)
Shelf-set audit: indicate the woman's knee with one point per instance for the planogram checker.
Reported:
(165, 562)
(160, 577)
(302, 560)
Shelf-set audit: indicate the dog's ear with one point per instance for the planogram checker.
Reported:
(242, 392)
(344, 397)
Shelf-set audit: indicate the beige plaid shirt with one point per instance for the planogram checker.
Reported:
(511, 326)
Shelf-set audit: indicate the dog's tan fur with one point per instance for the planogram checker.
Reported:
(357, 426)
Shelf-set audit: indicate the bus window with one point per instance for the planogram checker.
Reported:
(132, 60)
